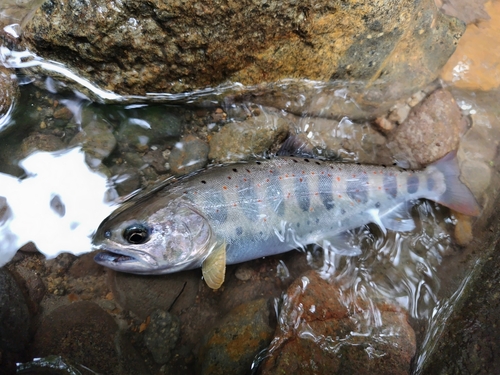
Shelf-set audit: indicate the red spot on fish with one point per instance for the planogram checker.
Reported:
(288, 195)
(316, 194)
(303, 172)
(380, 187)
(270, 171)
(234, 204)
(224, 187)
(312, 173)
(300, 180)
(322, 172)
(329, 175)
(293, 175)
(228, 177)
(265, 219)
(340, 196)
(245, 179)
(236, 186)
(353, 176)
(286, 175)
(259, 200)
(267, 180)
(281, 178)
(338, 179)
(311, 209)
(258, 185)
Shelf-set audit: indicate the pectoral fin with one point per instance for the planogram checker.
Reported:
(214, 266)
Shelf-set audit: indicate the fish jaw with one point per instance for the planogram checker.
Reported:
(125, 260)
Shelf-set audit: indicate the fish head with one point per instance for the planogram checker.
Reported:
(153, 239)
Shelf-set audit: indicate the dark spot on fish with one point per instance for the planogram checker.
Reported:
(261, 233)
(228, 177)
(258, 162)
(383, 165)
(357, 189)
(217, 209)
(391, 185)
(248, 170)
(318, 163)
(235, 170)
(239, 231)
(317, 220)
(57, 205)
(431, 184)
(203, 182)
(306, 160)
(302, 193)
(248, 198)
(412, 184)
(342, 211)
(325, 192)
(275, 194)
(377, 205)
(298, 225)
(308, 222)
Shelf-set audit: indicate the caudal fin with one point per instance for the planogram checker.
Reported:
(457, 196)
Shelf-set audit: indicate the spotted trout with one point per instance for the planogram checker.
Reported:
(238, 212)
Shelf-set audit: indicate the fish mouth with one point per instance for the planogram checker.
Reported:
(125, 260)
(112, 257)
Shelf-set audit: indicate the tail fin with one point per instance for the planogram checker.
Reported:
(457, 196)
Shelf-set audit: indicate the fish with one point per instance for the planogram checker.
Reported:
(238, 212)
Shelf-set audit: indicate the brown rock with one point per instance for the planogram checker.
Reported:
(8, 90)
(432, 129)
(240, 140)
(232, 345)
(315, 334)
(177, 46)
(144, 294)
(86, 334)
(188, 155)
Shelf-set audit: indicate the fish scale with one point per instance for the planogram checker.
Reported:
(234, 213)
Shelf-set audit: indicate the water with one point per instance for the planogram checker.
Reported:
(90, 154)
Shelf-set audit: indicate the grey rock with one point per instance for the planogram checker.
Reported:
(14, 314)
(97, 141)
(188, 155)
(241, 140)
(8, 90)
(161, 335)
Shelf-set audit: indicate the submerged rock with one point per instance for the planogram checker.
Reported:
(14, 314)
(162, 335)
(321, 332)
(432, 129)
(232, 345)
(253, 136)
(188, 155)
(135, 48)
(86, 334)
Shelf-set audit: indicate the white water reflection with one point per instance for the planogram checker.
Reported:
(57, 206)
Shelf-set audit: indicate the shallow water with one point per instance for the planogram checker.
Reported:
(76, 181)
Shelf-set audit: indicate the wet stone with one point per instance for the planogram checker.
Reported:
(232, 345)
(188, 155)
(40, 142)
(316, 334)
(85, 334)
(161, 335)
(97, 141)
(432, 129)
(8, 90)
(144, 294)
(241, 140)
(14, 315)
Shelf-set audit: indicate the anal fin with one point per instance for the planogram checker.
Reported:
(398, 218)
(214, 266)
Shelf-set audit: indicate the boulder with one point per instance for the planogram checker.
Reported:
(135, 47)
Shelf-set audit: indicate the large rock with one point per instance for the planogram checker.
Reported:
(137, 47)
(320, 331)
(86, 334)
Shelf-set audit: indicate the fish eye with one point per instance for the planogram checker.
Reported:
(136, 234)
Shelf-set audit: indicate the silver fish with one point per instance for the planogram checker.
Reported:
(234, 213)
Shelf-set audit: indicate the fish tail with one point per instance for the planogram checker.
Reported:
(457, 195)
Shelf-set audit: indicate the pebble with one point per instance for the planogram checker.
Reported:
(161, 335)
